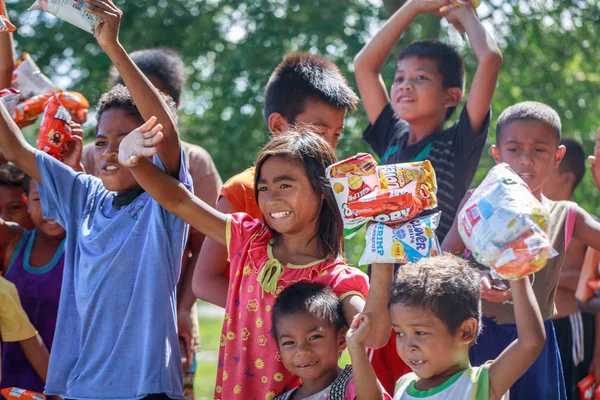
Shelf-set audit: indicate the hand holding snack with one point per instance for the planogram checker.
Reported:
(107, 31)
(55, 131)
(504, 225)
(74, 148)
(72, 11)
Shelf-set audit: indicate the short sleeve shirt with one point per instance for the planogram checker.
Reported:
(453, 152)
(250, 365)
(239, 191)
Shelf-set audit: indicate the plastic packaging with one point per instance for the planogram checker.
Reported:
(10, 99)
(55, 131)
(350, 180)
(29, 80)
(588, 388)
(71, 11)
(74, 102)
(77, 105)
(406, 190)
(408, 242)
(504, 225)
(14, 393)
(5, 25)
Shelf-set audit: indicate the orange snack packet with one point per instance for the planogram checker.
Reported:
(31, 108)
(526, 255)
(55, 131)
(5, 25)
(21, 394)
(74, 102)
(77, 105)
(586, 388)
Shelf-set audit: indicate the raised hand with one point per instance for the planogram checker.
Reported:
(107, 32)
(430, 6)
(359, 331)
(75, 148)
(139, 143)
(595, 159)
(493, 290)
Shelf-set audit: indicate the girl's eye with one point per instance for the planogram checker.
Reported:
(98, 144)
(285, 186)
(420, 333)
(399, 79)
(399, 334)
(262, 189)
(288, 343)
(421, 77)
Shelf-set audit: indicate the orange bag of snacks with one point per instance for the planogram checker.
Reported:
(31, 108)
(588, 388)
(55, 131)
(21, 394)
(5, 24)
(10, 99)
(74, 102)
(77, 105)
(527, 254)
(29, 79)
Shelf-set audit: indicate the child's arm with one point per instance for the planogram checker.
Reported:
(376, 304)
(37, 354)
(520, 354)
(146, 97)
(489, 62)
(7, 57)
(369, 62)
(172, 195)
(365, 381)
(14, 146)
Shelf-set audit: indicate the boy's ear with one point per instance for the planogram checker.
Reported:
(558, 156)
(496, 154)
(467, 332)
(453, 97)
(277, 123)
(342, 338)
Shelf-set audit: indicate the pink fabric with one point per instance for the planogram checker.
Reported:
(250, 364)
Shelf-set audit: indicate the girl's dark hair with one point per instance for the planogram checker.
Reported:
(314, 154)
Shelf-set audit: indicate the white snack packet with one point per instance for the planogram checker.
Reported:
(71, 11)
(29, 80)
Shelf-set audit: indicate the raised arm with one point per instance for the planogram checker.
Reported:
(520, 354)
(7, 57)
(376, 305)
(37, 354)
(171, 194)
(146, 97)
(15, 148)
(489, 62)
(369, 62)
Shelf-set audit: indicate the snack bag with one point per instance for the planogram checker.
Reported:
(74, 102)
(31, 108)
(28, 78)
(5, 25)
(408, 242)
(77, 105)
(10, 99)
(350, 180)
(406, 190)
(586, 388)
(21, 394)
(55, 131)
(504, 225)
(71, 11)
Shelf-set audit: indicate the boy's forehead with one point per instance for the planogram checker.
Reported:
(529, 131)
(9, 194)
(417, 64)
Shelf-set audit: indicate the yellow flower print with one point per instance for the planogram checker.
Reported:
(230, 335)
(218, 389)
(278, 377)
(264, 379)
(279, 290)
(223, 340)
(270, 396)
(244, 348)
(268, 308)
(252, 305)
(237, 272)
(247, 270)
(278, 356)
(225, 376)
(262, 340)
(227, 318)
(245, 334)
(237, 389)
(259, 363)
(259, 322)
(250, 289)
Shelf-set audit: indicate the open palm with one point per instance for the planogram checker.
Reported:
(140, 143)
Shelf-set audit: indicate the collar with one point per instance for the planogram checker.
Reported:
(125, 199)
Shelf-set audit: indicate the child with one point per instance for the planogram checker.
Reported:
(36, 269)
(435, 309)
(574, 329)
(310, 330)
(528, 139)
(300, 239)
(15, 327)
(409, 124)
(304, 89)
(164, 68)
(13, 207)
(116, 334)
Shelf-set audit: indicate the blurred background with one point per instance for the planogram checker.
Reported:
(550, 47)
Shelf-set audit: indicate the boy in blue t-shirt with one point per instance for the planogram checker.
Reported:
(116, 334)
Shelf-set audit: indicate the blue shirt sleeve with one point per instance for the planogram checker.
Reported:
(63, 192)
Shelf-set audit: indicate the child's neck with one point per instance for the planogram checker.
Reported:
(424, 127)
(298, 249)
(43, 249)
(312, 387)
(438, 380)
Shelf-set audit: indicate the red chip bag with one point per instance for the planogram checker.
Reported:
(586, 388)
(74, 102)
(31, 108)
(5, 25)
(10, 99)
(388, 206)
(55, 131)
(14, 393)
(77, 105)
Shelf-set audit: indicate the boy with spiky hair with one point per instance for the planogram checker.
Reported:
(304, 89)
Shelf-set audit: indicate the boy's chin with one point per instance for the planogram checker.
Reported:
(117, 185)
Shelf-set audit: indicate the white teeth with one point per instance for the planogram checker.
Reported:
(280, 214)
(111, 168)
(417, 362)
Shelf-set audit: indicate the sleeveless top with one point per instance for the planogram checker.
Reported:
(39, 291)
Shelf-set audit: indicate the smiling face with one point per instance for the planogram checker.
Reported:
(310, 347)
(426, 344)
(13, 207)
(532, 150)
(418, 92)
(46, 227)
(286, 197)
(113, 126)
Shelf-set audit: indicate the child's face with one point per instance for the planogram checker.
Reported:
(324, 119)
(426, 344)
(13, 207)
(418, 92)
(114, 125)
(46, 227)
(532, 150)
(310, 347)
(286, 197)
